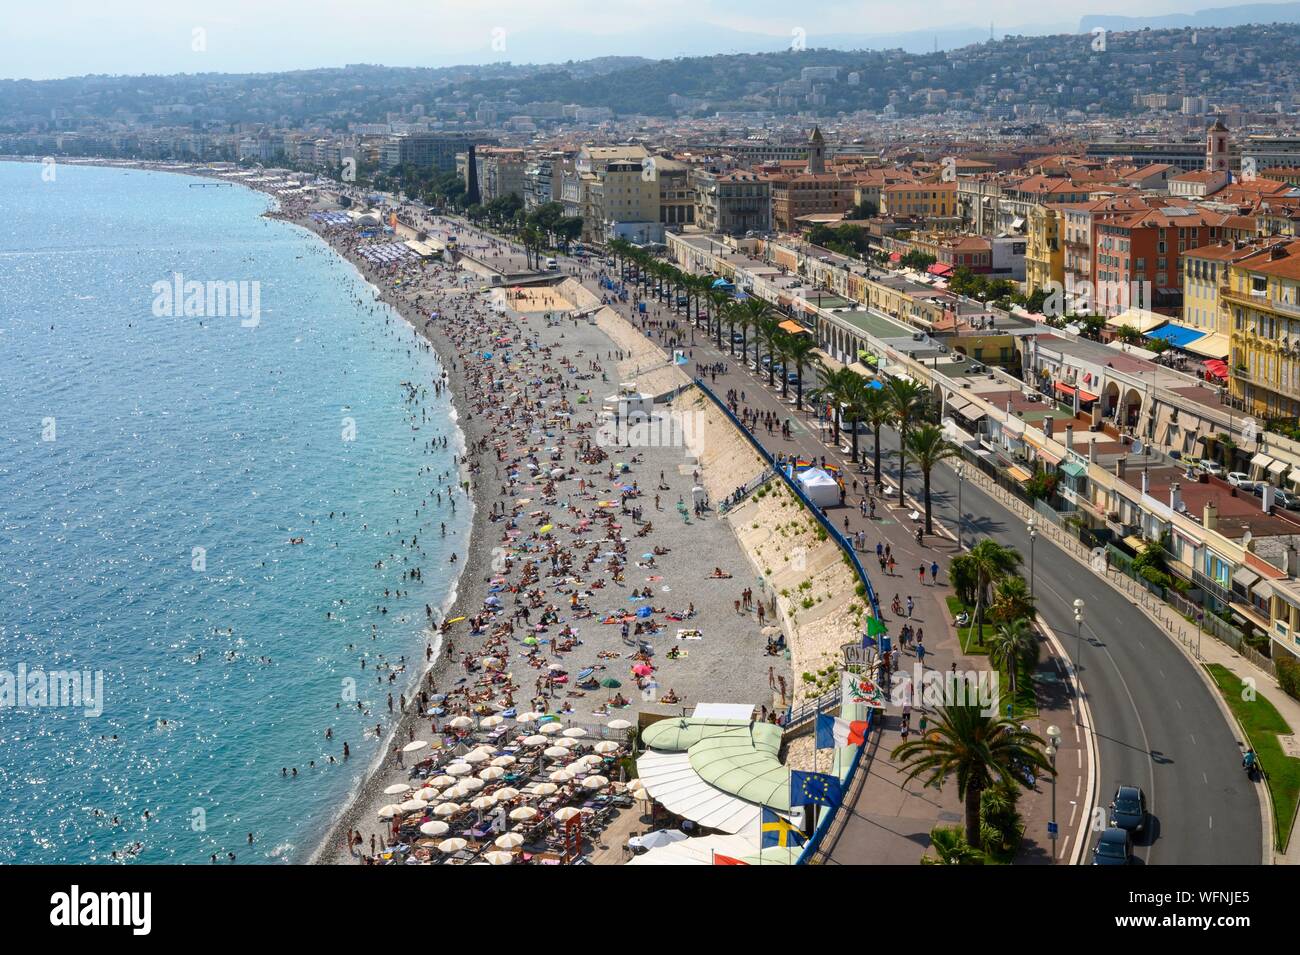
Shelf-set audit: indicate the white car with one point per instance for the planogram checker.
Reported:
(1211, 467)
(1241, 479)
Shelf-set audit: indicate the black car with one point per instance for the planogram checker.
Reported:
(1113, 847)
(1128, 808)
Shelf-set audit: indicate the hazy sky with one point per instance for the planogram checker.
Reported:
(71, 37)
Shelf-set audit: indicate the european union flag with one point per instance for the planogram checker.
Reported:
(778, 832)
(808, 789)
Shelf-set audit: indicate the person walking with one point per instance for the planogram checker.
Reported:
(934, 571)
(920, 653)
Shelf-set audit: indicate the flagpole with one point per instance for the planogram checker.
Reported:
(761, 810)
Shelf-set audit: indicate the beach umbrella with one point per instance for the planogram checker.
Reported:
(419, 744)
(434, 828)
(619, 725)
(389, 811)
(483, 802)
(470, 784)
(448, 846)
(545, 789)
(459, 769)
(575, 732)
(492, 772)
(595, 782)
(502, 761)
(561, 776)
(587, 761)
(566, 742)
(477, 756)
(555, 752)
(505, 793)
(427, 793)
(397, 789)
(508, 840)
(452, 793)
(491, 721)
(661, 837)
(461, 723)
(643, 669)
(413, 805)
(610, 683)
(534, 740)
(442, 782)
(565, 814)
(499, 858)
(608, 746)
(532, 716)
(446, 809)
(523, 814)
(550, 729)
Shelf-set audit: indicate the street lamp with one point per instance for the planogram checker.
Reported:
(1053, 746)
(1078, 655)
(1033, 535)
(1200, 619)
(961, 515)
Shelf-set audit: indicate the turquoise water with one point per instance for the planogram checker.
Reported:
(153, 470)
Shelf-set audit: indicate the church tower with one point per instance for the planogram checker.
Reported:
(1216, 147)
(816, 152)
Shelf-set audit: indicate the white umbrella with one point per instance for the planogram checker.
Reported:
(446, 809)
(607, 746)
(483, 802)
(660, 837)
(565, 814)
(506, 792)
(545, 789)
(595, 782)
(509, 840)
(434, 828)
(428, 794)
(491, 721)
(503, 761)
(397, 789)
(451, 793)
(523, 813)
(477, 756)
(492, 772)
(555, 752)
(529, 717)
(534, 740)
(413, 805)
(499, 858)
(452, 845)
(471, 784)
(461, 723)
(575, 732)
(586, 762)
(619, 725)
(550, 729)
(443, 781)
(459, 769)
(561, 776)
(389, 811)
(415, 746)
(566, 742)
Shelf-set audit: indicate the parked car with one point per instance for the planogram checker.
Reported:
(737, 338)
(1128, 808)
(1241, 479)
(1114, 846)
(1211, 467)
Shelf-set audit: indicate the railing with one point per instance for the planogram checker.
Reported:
(813, 847)
(810, 708)
(841, 541)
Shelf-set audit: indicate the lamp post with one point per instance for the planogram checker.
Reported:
(1078, 656)
(1053, 746)
(961, 515)
(1033, 534)
(1200, 619)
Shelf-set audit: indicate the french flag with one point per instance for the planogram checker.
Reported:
(833, 731)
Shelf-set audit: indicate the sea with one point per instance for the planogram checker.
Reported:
(211, 508)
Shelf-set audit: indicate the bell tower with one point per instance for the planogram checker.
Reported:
(1216, 147)
(816, 152)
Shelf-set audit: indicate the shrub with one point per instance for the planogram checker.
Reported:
(1288, 674)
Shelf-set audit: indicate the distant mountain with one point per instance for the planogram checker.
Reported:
(1212, 17)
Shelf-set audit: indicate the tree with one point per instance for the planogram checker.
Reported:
(877, 412)
(978, 749)
(908, 401)
(799, 353)
(834, 388)
(927, 447)
(755, 311)
(767, 329)
(989, 562)
(951, 848)
(1011, 600)
(1013, 645)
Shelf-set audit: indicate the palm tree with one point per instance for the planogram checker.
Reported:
(768, 329)
(799, 353)
(1013, 645)
(854, 393)
(990, 562)
(908, 400)
(755, 310)
(951, 848)
(927, 447)
(877, 412)
(978, 748)
(834, 388)
(1011, 600)
(718, 301)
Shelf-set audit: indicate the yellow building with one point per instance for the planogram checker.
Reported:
(1044, 251)
(920, 200)
(1262, 298)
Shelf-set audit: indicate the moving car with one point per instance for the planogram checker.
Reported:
(1128, 808)
(552, 264)
(1114, 846)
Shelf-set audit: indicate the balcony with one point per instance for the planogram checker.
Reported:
(1259, 300)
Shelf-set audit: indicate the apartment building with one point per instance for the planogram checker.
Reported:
(1262, 296)
(732, 203)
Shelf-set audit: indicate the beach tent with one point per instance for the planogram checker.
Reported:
(820, 487)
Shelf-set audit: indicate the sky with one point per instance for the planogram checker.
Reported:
(57, 38)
